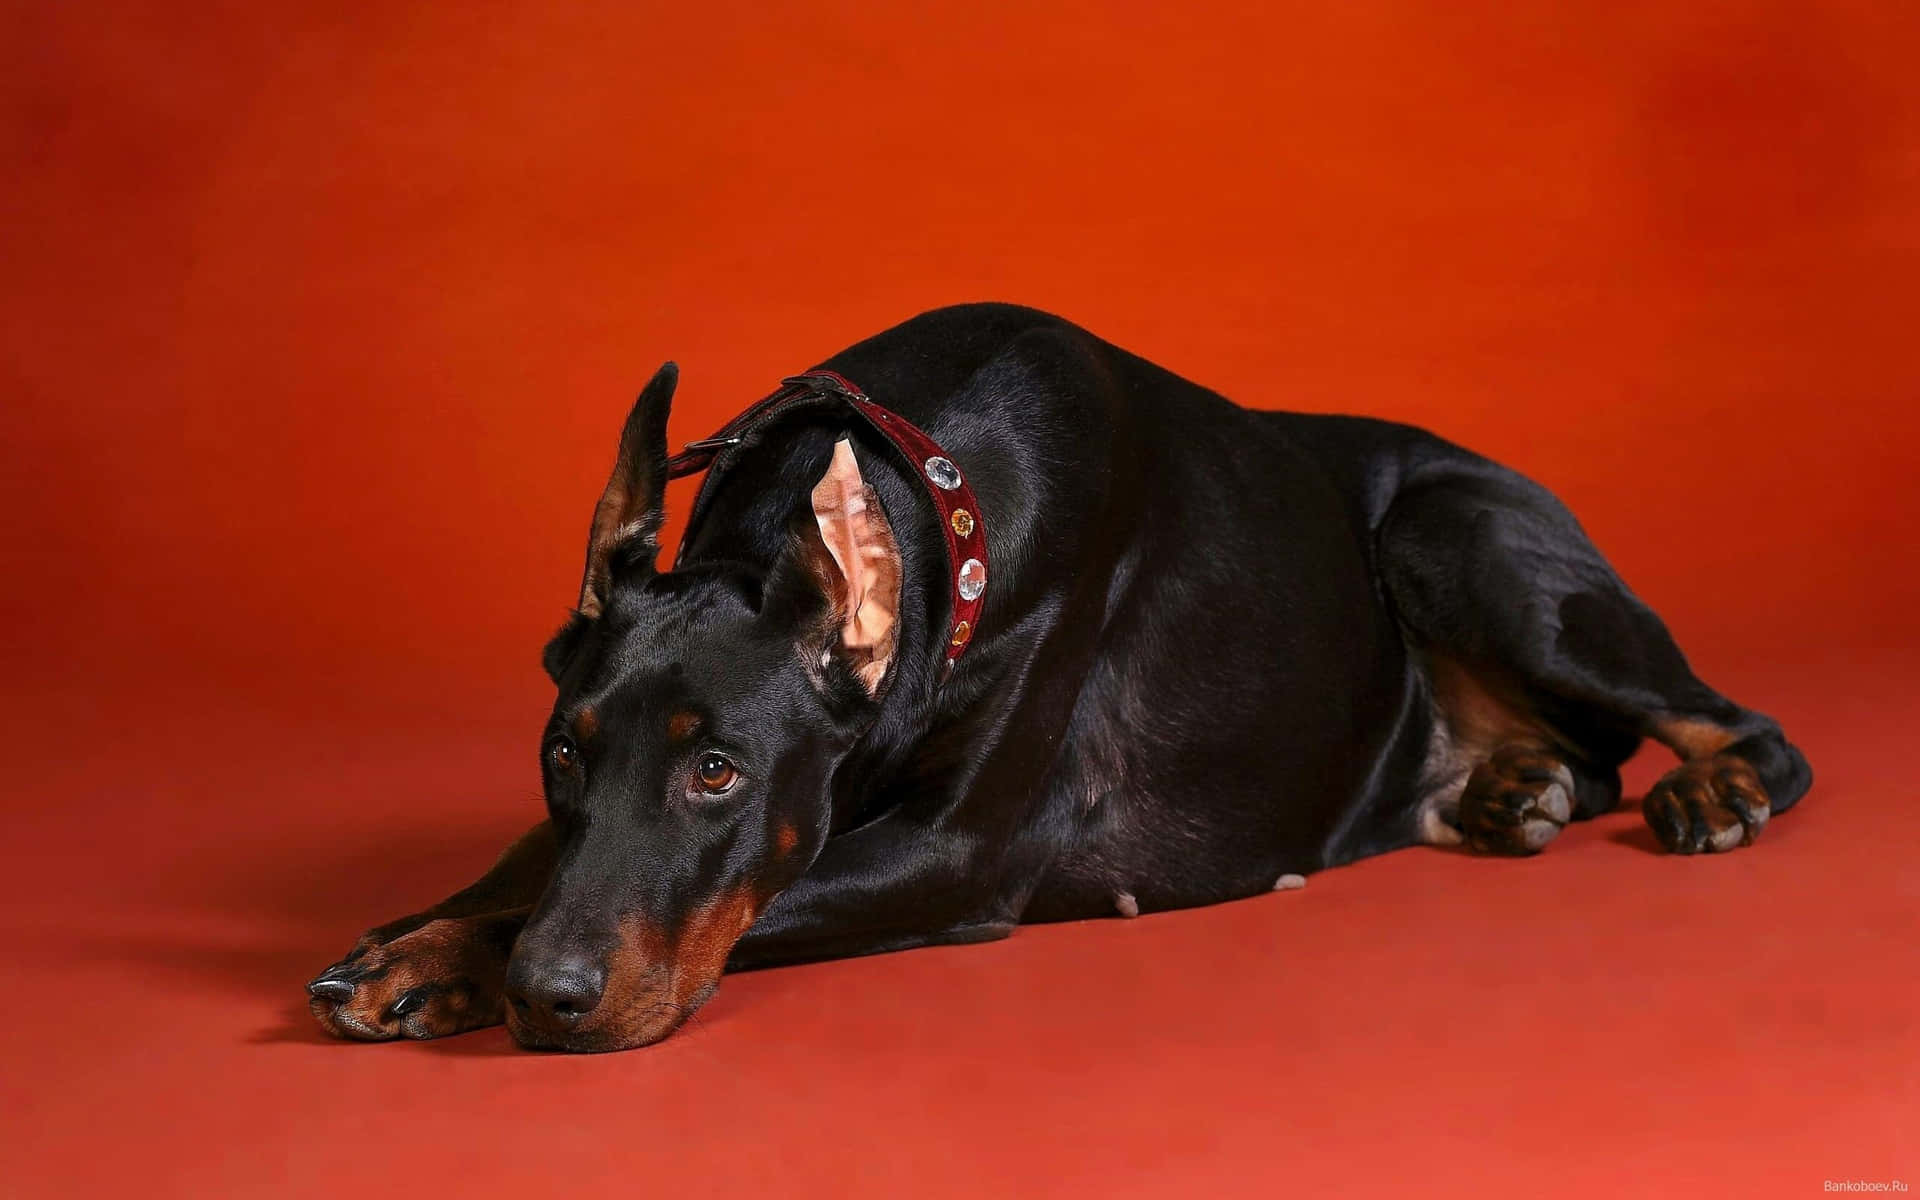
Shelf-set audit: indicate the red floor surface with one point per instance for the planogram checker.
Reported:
(1600, 1020)
(317, 325)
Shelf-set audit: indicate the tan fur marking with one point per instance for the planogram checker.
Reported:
(653, 984)
(683, 725)
(585, 724)
(1692, 737)
(638, 970)
(1481, 712)
(1721, 795)
(464, 957)
(785, 839)
(1476, 712)
(710, 932)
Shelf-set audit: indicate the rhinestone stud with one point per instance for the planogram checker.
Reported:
(944, 474)
(973, 579)
(962, 522)
(961, 633)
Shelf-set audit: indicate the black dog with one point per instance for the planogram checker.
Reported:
(1218, 648)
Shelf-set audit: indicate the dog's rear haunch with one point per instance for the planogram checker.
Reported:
(1218, 648)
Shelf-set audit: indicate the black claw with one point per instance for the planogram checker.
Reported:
(339, 991)
(1660, 814)
(349, 973)
(1752, 812)
(409, 1002)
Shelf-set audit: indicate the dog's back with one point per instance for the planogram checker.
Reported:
(1285, 641)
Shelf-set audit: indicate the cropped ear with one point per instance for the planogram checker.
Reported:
(629, 513)
(860, 573)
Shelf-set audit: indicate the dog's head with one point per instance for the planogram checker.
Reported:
(700, 717)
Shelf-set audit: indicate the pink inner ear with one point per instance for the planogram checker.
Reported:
(856, 534)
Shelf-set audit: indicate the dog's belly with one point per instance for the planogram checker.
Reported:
(1141, 848)
(1266, 723)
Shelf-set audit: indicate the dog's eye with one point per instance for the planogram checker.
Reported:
(563, 754)
(716, 774)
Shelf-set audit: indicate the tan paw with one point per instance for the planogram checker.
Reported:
(445, 977)
(1517, 801)
(1707, 805)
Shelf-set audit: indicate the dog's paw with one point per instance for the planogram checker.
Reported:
(1708, 805)
(1516, 802)
(446, 976)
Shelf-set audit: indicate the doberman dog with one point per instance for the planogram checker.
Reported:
(1219, 649)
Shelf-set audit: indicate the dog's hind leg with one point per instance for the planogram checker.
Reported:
(1497, 776)
(443, 970)
(1546, 672)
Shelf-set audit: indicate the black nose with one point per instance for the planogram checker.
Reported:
(554, 993)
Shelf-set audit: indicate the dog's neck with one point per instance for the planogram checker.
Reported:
(962, 525)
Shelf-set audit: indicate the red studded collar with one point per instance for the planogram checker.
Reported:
(961, 522)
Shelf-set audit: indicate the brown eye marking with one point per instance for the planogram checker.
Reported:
(586, 723)
(683, 725)
(785, 839)
(715, 773)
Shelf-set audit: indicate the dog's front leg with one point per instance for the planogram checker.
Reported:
(891, 885)
(440, 971)
(947, 866)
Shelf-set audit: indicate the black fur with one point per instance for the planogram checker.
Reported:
(1206, 660)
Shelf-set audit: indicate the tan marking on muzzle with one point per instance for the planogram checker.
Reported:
(654, 985)
(710, 932)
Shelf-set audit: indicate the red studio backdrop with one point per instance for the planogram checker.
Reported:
(319, 324)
